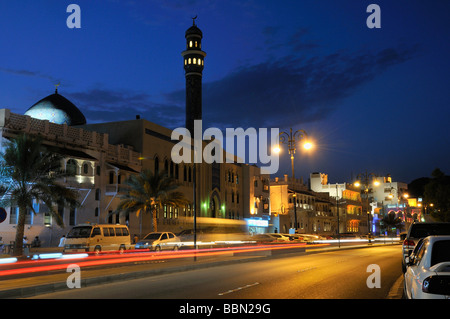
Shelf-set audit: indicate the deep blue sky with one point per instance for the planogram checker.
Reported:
(374, 100)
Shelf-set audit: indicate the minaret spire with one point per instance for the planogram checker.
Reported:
(193, 66)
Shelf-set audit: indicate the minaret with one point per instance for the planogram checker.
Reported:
(193, 66)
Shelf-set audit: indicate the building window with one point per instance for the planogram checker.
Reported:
(47, 219)
(189, 61)
(185, 61)
(111, 177)
(156, 165)
(13, 215)
(85, 168)
(71, 167)
(61, 211)
(190, 44)
(166, 167)
(72, 216)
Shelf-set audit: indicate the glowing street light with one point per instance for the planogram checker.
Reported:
(290, 139)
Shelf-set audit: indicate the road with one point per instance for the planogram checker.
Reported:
(339, 274)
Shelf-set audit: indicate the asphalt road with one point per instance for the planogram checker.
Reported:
(343, 274)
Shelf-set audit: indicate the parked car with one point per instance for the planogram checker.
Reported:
(419, 230)
(428, 269)
(279, 237)
(263, 238)
(158, 241)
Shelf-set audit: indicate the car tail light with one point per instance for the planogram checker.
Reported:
(439, 285)
(408, 242)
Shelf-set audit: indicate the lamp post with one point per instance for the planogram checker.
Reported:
(290, 139)
(363, 181)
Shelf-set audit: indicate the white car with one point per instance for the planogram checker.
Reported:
(158, 241)
(279, 237)
(427, 274)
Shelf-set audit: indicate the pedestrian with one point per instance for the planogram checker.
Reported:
(62, 241)
(135, 239)
(25, 240)
(36, 242)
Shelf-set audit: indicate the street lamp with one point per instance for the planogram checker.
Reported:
(290, 139)
(363, 181)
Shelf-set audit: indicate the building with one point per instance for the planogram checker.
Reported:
(294, 206)
(393, 198)
(103, 155)
(347, 201)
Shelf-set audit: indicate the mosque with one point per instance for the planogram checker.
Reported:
(103, 155)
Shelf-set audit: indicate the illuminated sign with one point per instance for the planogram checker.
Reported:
(257, 222)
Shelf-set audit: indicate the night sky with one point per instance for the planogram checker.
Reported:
(373, 100)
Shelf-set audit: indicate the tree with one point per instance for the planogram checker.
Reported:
(147, 192)
(31, 171)
(437, 192)
(390, 222)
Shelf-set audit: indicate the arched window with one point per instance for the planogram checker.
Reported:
(71, 167)
(166, 166)
(156, 165)
(195, 61)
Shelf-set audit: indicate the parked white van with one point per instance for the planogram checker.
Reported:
(97, 238)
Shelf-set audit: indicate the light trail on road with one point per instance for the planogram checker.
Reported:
(85, 260)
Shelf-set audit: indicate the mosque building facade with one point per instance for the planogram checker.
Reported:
(103, 155)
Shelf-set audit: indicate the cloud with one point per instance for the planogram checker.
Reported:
(281, 92)
(29, 73)
(106, 105)
(306, 90)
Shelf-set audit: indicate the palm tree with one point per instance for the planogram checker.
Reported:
(390, 222)
(30, 171)
(147, 192)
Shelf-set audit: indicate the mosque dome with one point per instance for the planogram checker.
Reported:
(57, 109)
(193, 30)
